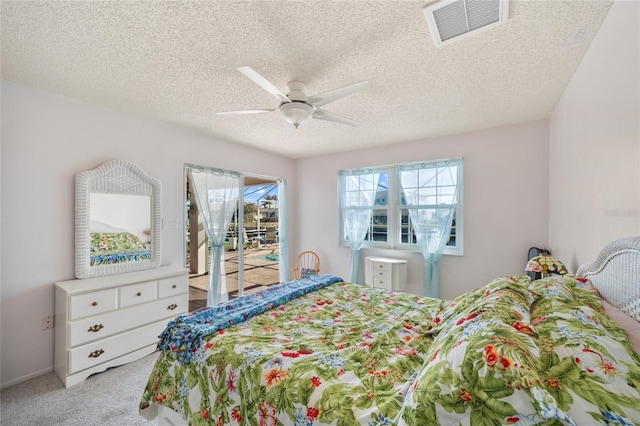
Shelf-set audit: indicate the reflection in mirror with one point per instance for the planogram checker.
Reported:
(118, 220)
(120, 228)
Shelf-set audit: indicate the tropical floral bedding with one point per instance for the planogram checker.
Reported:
(108, 248)
(511, 352)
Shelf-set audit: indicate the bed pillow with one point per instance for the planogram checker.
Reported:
(476, 382)
(307, 271)
(587, 361)
(558, 290)
(482, 367)
(507, 299)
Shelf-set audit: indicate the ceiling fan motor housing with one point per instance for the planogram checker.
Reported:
(297, 91)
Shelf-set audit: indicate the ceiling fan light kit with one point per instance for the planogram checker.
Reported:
(296, 106)
(296, 112)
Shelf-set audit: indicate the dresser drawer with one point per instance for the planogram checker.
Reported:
(382, 274)
(97, 302)
(383, 281)
(380, 268)
(112, 347)
(172, 286)
(138, 293)
(100, 326)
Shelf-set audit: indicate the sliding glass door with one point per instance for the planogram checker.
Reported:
(249, 240)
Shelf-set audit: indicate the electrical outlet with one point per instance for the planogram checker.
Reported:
(47, 322)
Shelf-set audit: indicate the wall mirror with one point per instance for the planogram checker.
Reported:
(118, 220)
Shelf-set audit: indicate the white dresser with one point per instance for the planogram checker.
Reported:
(108, 321)
(387, 273)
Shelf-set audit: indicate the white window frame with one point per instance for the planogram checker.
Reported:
(394, 207)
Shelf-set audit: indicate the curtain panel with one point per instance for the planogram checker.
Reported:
(283, 235)
(216, 193)
(357, 190)
(430, 192)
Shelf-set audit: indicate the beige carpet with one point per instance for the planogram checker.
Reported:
(110, 398)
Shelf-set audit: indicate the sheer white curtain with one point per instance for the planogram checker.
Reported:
(216, 192)
(430, 192)
(357, 190)
(283, 235)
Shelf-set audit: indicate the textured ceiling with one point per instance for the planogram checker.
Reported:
(176, 61)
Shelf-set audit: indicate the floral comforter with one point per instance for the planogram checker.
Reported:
(511, 352)
(344, 354)
(109, 248)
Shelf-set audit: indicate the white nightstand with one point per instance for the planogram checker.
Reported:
(387, 273)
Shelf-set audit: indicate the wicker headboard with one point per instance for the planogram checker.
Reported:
(104, 228)
(616, 274)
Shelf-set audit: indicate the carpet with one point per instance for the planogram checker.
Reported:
(109, 398)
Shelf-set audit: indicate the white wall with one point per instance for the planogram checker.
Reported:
(594, 144)
(505, 203)
(593, 139)
(46, 140)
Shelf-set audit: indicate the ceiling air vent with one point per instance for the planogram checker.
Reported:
(451, 20)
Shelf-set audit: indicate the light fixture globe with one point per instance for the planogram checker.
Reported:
(296, 112)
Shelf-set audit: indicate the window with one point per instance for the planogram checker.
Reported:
(432, 184)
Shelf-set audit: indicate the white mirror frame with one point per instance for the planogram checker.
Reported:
(115, 177)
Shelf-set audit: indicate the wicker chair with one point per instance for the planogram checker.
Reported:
(307, 263)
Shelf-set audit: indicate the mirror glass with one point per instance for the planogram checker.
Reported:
(119, 227)
(118, 221)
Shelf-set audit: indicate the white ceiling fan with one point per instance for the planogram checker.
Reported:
(296, 106)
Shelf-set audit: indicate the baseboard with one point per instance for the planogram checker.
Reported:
(26, 377)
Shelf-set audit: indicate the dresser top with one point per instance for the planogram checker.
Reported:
(386, 259)
(108, 281)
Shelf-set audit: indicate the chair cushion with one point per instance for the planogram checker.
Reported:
(307, 271)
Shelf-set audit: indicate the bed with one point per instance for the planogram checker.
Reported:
(109, 245)
(322, 351)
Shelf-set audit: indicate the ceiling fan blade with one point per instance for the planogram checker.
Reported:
(245, 111)
(264, 83)
(321, 114)
(322, 99)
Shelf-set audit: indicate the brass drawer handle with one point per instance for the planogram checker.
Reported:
(139, 294)
(96, 328)
(94, 304)
(172, 306)
(96, 353)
